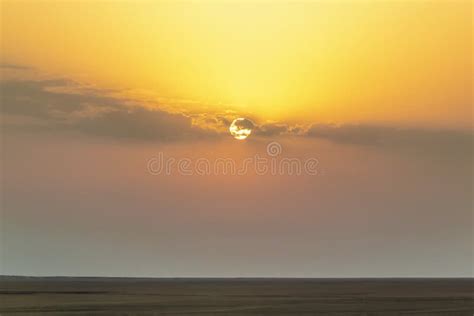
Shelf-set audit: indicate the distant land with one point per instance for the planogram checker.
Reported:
(235, 296)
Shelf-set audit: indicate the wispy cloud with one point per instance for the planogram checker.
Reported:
(6, 65)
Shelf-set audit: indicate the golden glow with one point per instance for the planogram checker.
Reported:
(397, 61)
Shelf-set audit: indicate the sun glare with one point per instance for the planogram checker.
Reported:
(241, 128)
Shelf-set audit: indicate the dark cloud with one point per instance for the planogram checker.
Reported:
(243, 123)
(88, 111)
(393, 137)
(354, 134)
(142, 124)
(276, 129)
(32, 98)
(272, 129)
(223, 120)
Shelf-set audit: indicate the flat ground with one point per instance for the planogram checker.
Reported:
(137, 296)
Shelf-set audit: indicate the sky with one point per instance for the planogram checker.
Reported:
(116, 156)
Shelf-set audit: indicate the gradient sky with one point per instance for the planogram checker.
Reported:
(379, 92)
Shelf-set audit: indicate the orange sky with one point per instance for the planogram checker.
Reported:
(399, 62)
(92, 90)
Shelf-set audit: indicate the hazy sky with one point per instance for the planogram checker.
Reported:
(377, 93)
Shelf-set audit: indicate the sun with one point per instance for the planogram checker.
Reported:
(241, 128)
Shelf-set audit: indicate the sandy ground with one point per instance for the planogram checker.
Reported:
(137, 296)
